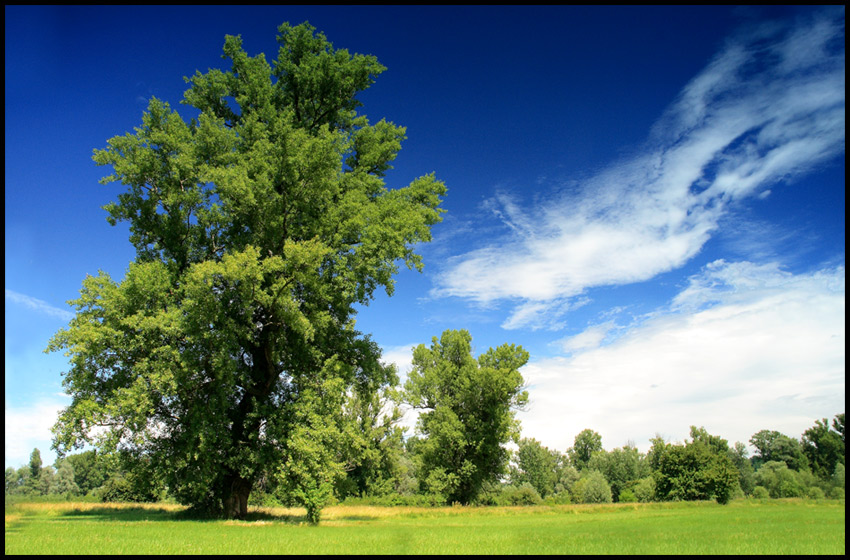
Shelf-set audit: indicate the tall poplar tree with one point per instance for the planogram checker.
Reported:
(226, 352)
(468, 412)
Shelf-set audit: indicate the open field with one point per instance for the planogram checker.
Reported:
(741, 527)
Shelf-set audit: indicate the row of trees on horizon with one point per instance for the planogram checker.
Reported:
(705, 467)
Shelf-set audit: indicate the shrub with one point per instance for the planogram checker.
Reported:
(815, 493)
(592, 488)
(779, 480)
(760, 493)
(695, 471)
(523, 495)
(627, 496)
(644, 490)
(838, 476)
(559, 499)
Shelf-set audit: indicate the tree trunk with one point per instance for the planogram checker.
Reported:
(235, 499)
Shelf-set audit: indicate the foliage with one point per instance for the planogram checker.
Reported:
(130, 479)
(63, 482)
(838, 475)
(779, 480)
(468, 412)
(698, 470)
(815, 493)
(644, 489)
(592, 488)
(586, 443)
(761, 493)
(35, 464)
(90, 469)
(537, 465)
(523, 495)
(627, 496)
(373, 446)
(656, 451)
(746, 473)
(258, 228)
(622, 467)
(567, 477)
(824, 447)
(773, 446)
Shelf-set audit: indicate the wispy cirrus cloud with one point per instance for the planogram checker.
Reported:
(768, 107)
(38, 305)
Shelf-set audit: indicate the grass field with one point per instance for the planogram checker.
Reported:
(741, 527)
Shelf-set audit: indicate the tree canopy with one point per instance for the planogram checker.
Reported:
(468, 411)
(226, 352)
(586, 443)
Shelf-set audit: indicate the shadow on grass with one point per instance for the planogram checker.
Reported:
(122, 513)
(356, 517)
(126, 514)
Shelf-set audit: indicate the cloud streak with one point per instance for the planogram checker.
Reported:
(768, 107)
(38, 305)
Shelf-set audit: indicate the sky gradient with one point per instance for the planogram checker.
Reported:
(650, 200)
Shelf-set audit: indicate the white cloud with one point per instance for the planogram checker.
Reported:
(589, 339)
(27, 428)
(402, 357)
(768, 107)
(767, 353)
(38, 305)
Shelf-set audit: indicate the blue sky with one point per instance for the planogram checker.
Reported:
(650, 200)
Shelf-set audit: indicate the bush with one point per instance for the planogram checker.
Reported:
(695, 471)
(116, 489)
(815, 493)
(559, 499)
(523, 495)
(627, 496)
(760, 493)
(836, 493)
(644, 490)
(592, 488)
(838, 476)
(779, 480)
(414, 500)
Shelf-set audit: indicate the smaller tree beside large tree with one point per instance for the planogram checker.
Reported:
(468, 413)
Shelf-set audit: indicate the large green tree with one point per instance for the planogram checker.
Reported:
(226, 352)
(468, 412)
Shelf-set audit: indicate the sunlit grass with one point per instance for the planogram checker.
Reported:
(742, 527)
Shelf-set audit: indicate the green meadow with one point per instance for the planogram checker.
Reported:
(790, 526)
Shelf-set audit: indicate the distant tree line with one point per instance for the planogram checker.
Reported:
(705, 467)
(382, 467)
